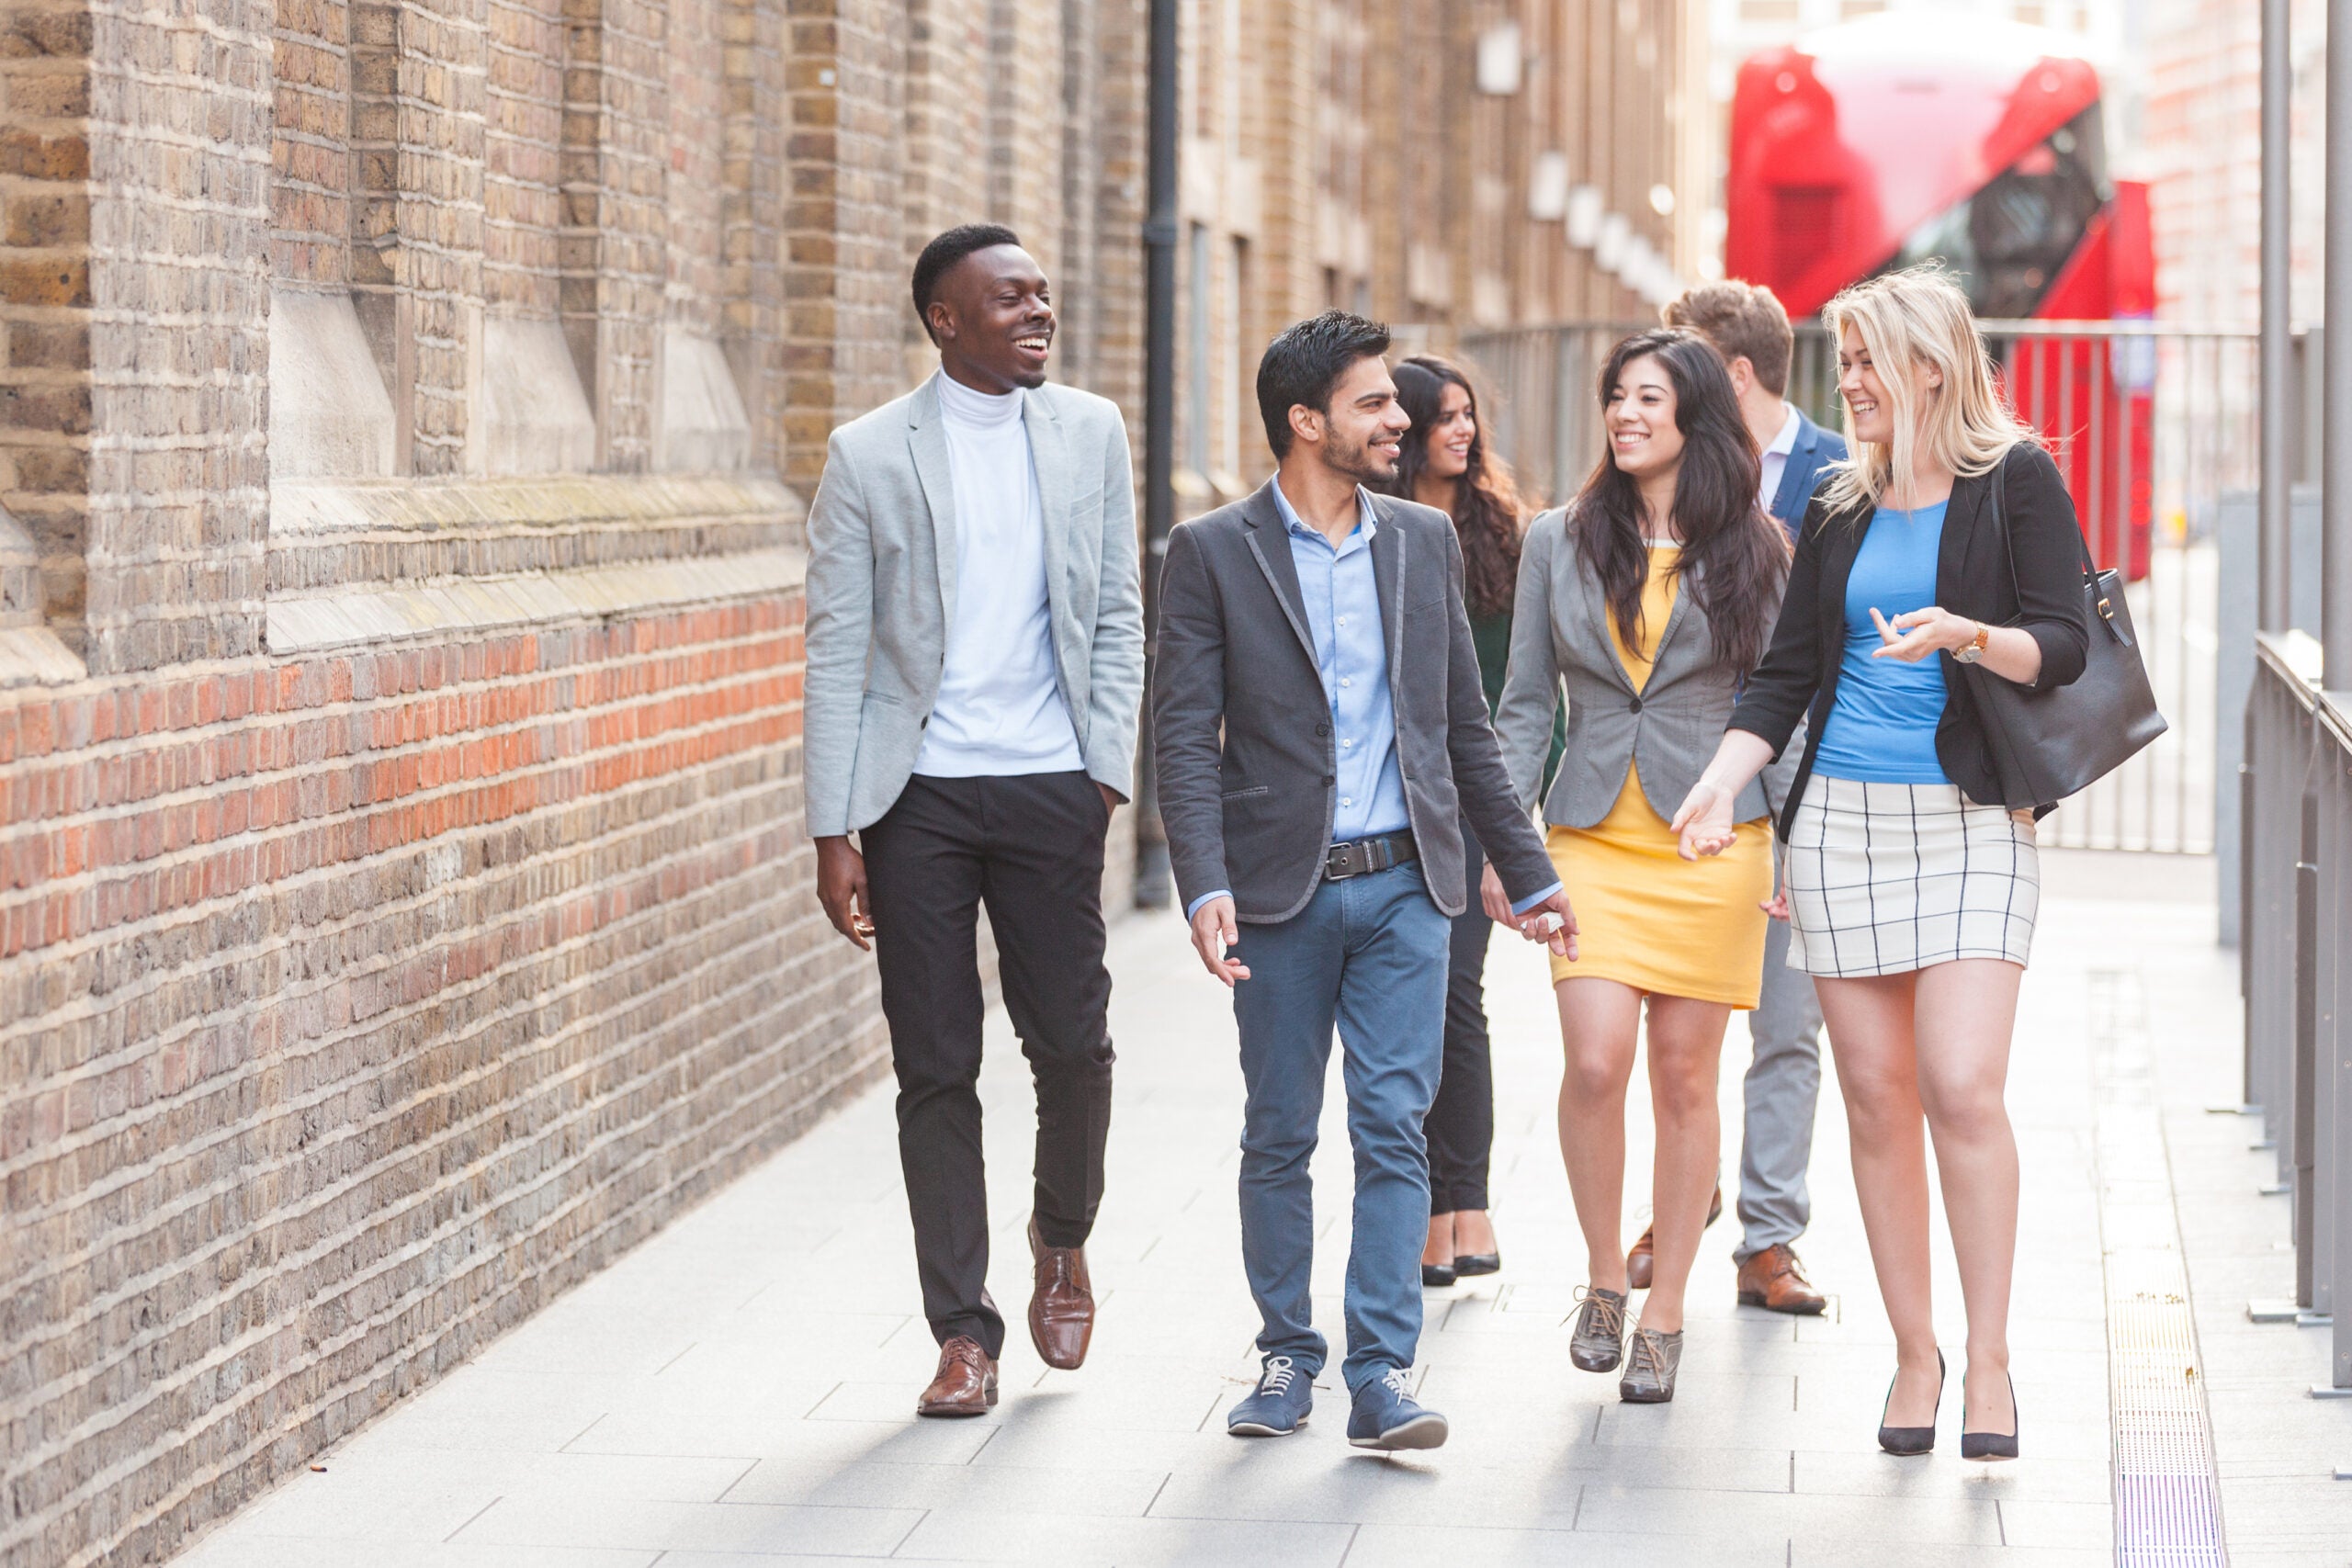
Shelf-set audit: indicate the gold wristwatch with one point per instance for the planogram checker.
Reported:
(1974, 651)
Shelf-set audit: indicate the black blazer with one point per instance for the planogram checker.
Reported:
(1798, 675)
(1243, 726)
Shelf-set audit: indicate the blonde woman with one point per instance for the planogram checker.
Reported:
(1912, 884)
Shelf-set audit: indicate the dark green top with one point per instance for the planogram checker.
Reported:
(1491, 635)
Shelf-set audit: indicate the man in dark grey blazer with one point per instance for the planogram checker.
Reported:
(1321, 732)
(975, 671)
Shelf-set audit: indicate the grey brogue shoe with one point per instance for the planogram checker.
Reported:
(1598, 1343)
(1651, 1362)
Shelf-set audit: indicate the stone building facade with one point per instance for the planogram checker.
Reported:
(407, 409)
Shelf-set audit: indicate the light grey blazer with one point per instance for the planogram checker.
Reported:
(882, 587)
(1559, 636)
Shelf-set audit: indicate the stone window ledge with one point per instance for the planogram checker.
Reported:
(365, 560)
(375, 535)
(34, 656)
(308, 623)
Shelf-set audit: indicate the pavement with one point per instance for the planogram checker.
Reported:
(738, 1391)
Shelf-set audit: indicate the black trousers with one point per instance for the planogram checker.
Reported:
(1460, 1127)
(1029, 847)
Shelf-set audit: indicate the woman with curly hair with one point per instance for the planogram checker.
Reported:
(1446, 464)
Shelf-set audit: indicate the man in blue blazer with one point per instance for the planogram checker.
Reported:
(1750, 330)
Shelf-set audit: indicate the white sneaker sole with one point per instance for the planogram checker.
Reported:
(1258, 1429)
(1424, 1431)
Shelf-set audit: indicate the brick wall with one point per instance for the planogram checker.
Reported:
(523, 151)
(379, 996)
(404, 901)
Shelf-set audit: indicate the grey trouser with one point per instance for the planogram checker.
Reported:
(1783, 1086)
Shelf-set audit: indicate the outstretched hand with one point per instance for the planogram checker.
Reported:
(1703, 826)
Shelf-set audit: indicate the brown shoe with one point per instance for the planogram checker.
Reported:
(1061, 1309)
(966, 1383)
(1772, 1280)
(1639, 1262)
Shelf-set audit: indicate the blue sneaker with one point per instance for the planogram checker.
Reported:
(1386, 1418)
(1279, 1404)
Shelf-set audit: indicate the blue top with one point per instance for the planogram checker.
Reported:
(1342, 601)
(1882, 729)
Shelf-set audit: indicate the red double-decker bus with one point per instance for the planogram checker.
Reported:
(1906, 138)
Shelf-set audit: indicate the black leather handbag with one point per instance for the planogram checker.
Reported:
(2050, 743)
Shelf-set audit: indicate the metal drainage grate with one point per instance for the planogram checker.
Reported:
(2168, 1502)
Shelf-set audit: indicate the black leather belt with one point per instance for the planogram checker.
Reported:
(1360, 856)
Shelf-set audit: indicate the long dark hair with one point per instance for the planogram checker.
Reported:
(1736, 555)
(1488, 513)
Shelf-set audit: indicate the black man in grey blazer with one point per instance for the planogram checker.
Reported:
(974, 673)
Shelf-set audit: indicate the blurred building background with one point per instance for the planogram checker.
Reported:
(2182, 81)
(2110, 33)
(1444, 167)
(407, 417)
(2203, 154)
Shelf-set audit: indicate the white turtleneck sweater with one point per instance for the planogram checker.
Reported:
(999, 708)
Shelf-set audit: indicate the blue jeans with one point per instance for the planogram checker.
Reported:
(1369, 954)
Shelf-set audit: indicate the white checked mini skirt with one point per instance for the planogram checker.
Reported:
(1886, 878)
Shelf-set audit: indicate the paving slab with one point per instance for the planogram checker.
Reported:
(738, 1390)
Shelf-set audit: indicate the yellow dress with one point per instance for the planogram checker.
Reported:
(1646, 916)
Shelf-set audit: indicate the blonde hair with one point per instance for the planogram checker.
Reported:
(1908, 320)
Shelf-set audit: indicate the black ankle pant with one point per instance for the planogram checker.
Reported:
(1460, 1126)
(1029, 847)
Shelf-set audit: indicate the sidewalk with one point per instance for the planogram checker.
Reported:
(738, 1391)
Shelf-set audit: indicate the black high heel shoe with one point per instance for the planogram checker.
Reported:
(1436, 1276)
(1990, 1445)
(1907, 1441)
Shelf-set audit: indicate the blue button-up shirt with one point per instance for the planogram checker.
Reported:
(1342, 602)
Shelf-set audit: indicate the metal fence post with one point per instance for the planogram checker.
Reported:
(2303, 1123)
(2335, 457)
(1153, 881)
(2278, 350)
(2334, 1032)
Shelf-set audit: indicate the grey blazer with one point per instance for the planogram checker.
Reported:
(882, 586)
(1242, 724)
(1670, 728)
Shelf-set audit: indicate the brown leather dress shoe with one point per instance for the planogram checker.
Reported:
(1061, 1308)
(966, 1383)
(1641, 1261)
(1772, 1280)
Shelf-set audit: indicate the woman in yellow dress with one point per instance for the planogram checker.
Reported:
(1648, 600)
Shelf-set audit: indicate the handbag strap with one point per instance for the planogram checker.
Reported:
(2008, 548)
(2009, 545)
